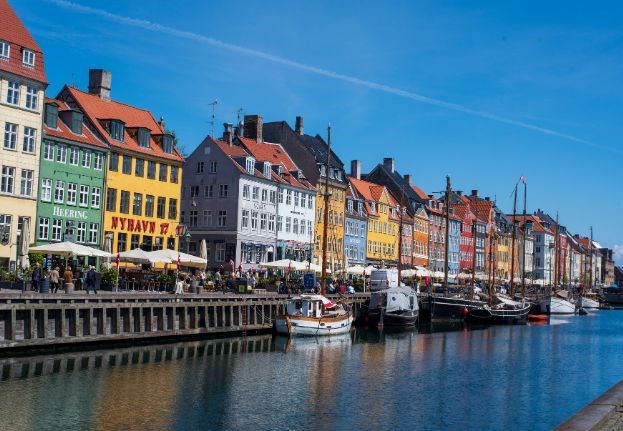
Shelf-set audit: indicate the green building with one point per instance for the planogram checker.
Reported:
(71, 179)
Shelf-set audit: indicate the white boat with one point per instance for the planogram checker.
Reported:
(556, 305)
(588, 302)
(314, 315)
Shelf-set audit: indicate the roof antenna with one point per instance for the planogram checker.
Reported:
(212, 120)
(239, 112)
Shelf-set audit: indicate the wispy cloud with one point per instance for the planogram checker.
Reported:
(153, 26)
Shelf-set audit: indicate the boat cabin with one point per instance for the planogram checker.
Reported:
(310, 306)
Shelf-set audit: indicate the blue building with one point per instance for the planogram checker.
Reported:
(355, 223)
(454, 243)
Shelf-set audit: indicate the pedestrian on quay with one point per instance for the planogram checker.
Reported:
(36, 277)
(54, 280)
(91, 280)
(179, 285)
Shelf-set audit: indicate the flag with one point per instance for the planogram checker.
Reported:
(117, 260)
(179, 263)
(522, 179)
(289, 266)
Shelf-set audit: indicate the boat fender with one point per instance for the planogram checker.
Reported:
(465, 312)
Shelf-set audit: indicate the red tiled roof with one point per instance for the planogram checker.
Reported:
(13, 31)
(537, 226)
(419, 192)
(96, 109)
(63, 131)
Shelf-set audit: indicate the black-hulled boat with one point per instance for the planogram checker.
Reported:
(500, 314)
(396, 307)
(612, 295)
(449, 308)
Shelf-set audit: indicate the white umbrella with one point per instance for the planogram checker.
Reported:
(408, 272)
(422, 272)
(369, 269)
(285, 264)
(356, 270)
(107, 249)
(464, 275)
(174, 256)
(315, 268)
(25, 263)
(203, 250)
(68, 249)
(141, 256)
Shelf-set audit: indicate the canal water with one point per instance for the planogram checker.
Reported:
(498, 378)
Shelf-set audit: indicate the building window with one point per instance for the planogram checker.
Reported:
(264, 195)
(222, 218)
(12, 94)
(44, 227)
(263, 221)
(254, 219)
(143, 137)
(95, 197)
(116, 130)
(126, 167)
(288, 224)
(194, 191)
(219, 255)
(207, 218)
(30, 135)
(137, 207)
(10, 136)
(250, 165)
(48, 150)
(289, 197)
(82, 232)
(84, 196)
(192, 218)
(28, 58)
(8, 178)
(279, 223)
(222, 190)
(76, 122)
(124, 204)
(174, 174)
(245, 219)
(296, 199)
(160, 207)
(46, 189)
(32, 97)
(200, 167)
(273, 197)
(256, 193)
(86, 159)
(302, 227)
(5, 50)
(74, 155)
(134, 241)
(111, 200)
(245, 191)
(208, 191)
(98, 161)
(139, 167)
(151, 169)
(172, 209)
(281, 192)
(57, 229)
(163, 172)
(271, 223)
(26, 182)
(72, 193)
(213, 166)
(113, 162)
(149, 206)
(167, 144)
(121, 241)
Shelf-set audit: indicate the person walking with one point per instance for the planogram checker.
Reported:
(36, 277)
(54, 279)
(91, 280)
(179, 285)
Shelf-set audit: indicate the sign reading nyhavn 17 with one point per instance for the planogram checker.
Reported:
(136, 225)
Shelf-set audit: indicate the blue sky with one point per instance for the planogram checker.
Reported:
(482, 92)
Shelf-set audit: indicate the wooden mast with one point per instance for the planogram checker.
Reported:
(473, 257)
(523, 259)
(445, 273)
(512, 277)
(590, 254)
(556, 253)
(400, 237)
(325, 224)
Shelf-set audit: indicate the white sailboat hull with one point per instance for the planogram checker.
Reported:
(295, 326)
(554, 305)
(588, 303)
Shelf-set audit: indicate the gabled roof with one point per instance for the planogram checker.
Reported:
(97, 109)
(537, 225)
(371, 192)
(13, 31)
(63, 130)
(420, 193)
(396, 183)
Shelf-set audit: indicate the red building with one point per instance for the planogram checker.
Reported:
(466, 246)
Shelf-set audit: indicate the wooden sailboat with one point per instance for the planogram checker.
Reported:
(445, 307)
(313, 315)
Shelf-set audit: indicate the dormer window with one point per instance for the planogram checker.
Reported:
(360, 207)
(278, 169)
(250, 165)
(5, 50)
(143, 136)
(76, 122)
(116, 130)
(372, 207)
(350, 206)
(267, 169)
(337, 174)
(51, 115)
(28, 58)
(167, 144)
(323, 170)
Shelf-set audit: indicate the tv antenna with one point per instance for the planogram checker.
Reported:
(239, 112)
(213, 104)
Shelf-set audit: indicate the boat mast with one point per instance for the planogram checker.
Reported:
(473, 257)
(400, 237)
(556, 253)
(445, 273)
(523, 259)
(512, 280)
(325, 223)
(493, 271)
(590, 253)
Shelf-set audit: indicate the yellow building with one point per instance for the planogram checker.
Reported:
(335, 229)
(22, 85)
(383, 221)
(143, 179)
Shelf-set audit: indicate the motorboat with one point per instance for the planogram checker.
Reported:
(557, 303)
(395, 306)
(314, 315)
(505, 312)
(588, 300)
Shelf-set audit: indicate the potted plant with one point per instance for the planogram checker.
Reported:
(109, 278)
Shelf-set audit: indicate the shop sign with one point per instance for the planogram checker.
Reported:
(136, 225)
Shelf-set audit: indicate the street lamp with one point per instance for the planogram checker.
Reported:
(187, 239)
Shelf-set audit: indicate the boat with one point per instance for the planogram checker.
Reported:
(588, 300)
(556, 304)
(314, 315)
(613, 295)
(505, 312)
(395, 306)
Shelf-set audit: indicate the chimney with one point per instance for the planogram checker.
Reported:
(431, 197)
(228, 134)
(388, 162)
(355, 169)
(253, 127)
(239, 130)
(475, 192)
(99, 83)
(459, 192)
(408, 178)
(298, 128)
(487, 199)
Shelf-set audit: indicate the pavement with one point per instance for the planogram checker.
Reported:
(603, 413)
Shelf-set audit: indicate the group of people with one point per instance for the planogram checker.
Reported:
(53, 276)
